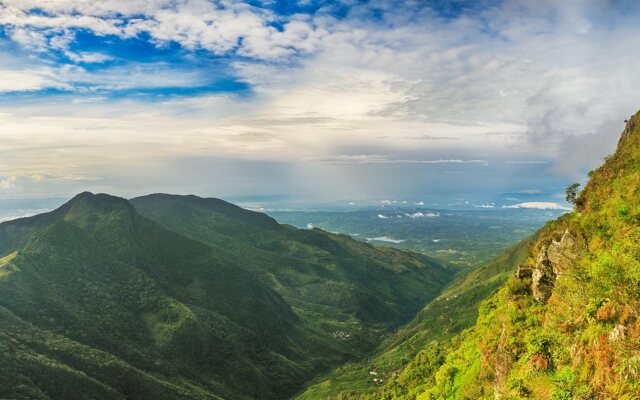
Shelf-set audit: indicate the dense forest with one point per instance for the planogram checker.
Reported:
(97, 301)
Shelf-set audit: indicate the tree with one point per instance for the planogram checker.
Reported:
(572, 193)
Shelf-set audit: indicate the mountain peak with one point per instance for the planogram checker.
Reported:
(96, 199)
(196, 204)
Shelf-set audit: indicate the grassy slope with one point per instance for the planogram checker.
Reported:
(584, 343)
(454, 310)
(336, 284)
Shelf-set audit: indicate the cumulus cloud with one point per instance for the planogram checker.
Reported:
(86, 57)
(8, 183)
(540, 205)
(219, 27)
(386, 239)
(549, 82)
(423, 215)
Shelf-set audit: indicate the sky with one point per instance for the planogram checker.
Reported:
(488, 102)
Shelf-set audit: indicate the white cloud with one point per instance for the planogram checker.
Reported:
(22, 214)
(539, 205)
(8, 183)
(386, 239)
(423, 215)
(527, 80)
(527, 162)
(219, 27)
(13, 80)
(88, 57)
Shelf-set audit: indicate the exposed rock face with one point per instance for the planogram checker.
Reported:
(554, 258)
(524, 271)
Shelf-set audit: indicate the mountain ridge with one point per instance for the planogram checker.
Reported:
(95, 295)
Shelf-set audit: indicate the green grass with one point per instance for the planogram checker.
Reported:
(5, 268)
(583, 343)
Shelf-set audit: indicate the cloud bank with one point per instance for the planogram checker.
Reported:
(92, 88)
(539, 206)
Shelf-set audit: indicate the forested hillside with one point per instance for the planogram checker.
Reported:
(97, 301)
(353, 290)
(426, 337)
(567, 325)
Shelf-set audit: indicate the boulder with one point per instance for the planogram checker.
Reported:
(554, 259)
(543, 277)
(563, 253)
(524, 271)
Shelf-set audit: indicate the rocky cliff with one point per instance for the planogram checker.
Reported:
(553, 261)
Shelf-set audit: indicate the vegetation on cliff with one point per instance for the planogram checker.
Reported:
(567, 325)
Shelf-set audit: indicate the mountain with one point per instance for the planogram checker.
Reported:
(349, 287)
(566, 325)
(454, 310)
(98, 301)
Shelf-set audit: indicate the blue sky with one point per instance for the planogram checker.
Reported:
(313, 100)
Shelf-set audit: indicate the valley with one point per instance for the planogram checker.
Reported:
(460, 238)
(228, 303)
(183, 297)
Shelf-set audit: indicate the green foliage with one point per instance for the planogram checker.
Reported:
(410, 358)
(572, 193)
(97, 301)
(584, 343)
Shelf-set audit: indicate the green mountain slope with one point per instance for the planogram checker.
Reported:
(101, 293)
(568, 326)
(425, 336)
(349, 290)
(98, 301)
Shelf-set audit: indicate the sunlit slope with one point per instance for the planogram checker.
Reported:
(425, 336)
(568, 327)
